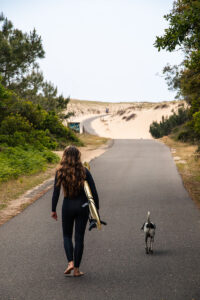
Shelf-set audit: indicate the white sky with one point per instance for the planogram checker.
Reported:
(99, 49)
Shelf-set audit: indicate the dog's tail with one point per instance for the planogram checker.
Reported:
(148, 217)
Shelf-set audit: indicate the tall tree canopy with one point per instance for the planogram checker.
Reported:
(18, 51)
(183, 34)
(184, 27)
(19, 69)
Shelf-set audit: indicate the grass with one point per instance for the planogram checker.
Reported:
(16, 161)
(15, 187)
(86, 102)
(92, 141)
(188, 165)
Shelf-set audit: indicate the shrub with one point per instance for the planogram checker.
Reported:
(15, 161)
(58, 130)
(165, 126)
(183, 136)
(33, 113)
(196, 118)
(15, 123)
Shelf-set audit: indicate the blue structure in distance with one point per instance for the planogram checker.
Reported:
(74, 126)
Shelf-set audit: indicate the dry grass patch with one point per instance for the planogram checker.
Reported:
(92, 141)
(131, 117)
(90, 103)
(188, 165)
(14, 188)
(161, 106)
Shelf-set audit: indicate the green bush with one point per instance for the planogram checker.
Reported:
(27, 133)
(63, 134)
(196, 118)
(15, 123)
(38, 138)
(183, 135)
(42, 139)
(33, 113)
(16, 161)
(166, 125)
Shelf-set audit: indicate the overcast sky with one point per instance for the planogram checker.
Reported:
(99, 49)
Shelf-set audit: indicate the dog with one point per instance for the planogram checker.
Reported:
(149, 229)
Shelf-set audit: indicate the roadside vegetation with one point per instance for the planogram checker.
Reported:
(31, 117)
(92, 141)
(17, 186)
(184, 127)
(187, 159)
(183, 35)
(167, 124)
(30, 109)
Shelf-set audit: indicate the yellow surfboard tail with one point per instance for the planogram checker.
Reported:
(92, 206)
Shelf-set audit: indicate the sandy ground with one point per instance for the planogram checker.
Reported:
(124, 120)
(136, 128)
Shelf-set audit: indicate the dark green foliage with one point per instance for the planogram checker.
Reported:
(27, 132)
(29, 106)
(34, 88)
(184, 135)
(183, 33)
(14, 123)
(33, 113)
(54, 125)
(197, 124)
(38, 138)
(18, 51)
(184, 26)
(23, 122)
(19, 69)
(165, 126)
(15, 161)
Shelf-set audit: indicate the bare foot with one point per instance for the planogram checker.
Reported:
(70, 267)
(77, 272)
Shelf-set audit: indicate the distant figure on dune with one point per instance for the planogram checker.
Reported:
(107, 110)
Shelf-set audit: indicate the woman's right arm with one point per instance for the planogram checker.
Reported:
(56, 194)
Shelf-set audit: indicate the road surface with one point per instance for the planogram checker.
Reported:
(132, 177)
(87, 124)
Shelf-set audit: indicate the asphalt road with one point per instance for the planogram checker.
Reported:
(132, 177)
(87, 124)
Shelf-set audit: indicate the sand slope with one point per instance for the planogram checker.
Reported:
(124, 120)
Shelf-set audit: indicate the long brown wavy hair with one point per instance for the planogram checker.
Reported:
(71, 172)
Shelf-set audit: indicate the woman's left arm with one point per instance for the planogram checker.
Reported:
(55, 197)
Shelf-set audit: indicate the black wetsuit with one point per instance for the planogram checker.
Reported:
(72, 210)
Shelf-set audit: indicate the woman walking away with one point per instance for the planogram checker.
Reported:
(71, 175)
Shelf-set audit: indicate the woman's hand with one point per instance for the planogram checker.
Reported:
(54, 215)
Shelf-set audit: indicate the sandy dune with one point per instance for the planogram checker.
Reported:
(124, 120)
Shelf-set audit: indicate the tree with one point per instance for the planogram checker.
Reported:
(183, 34)
(18, 52)
(20, 72)
(184, 27)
